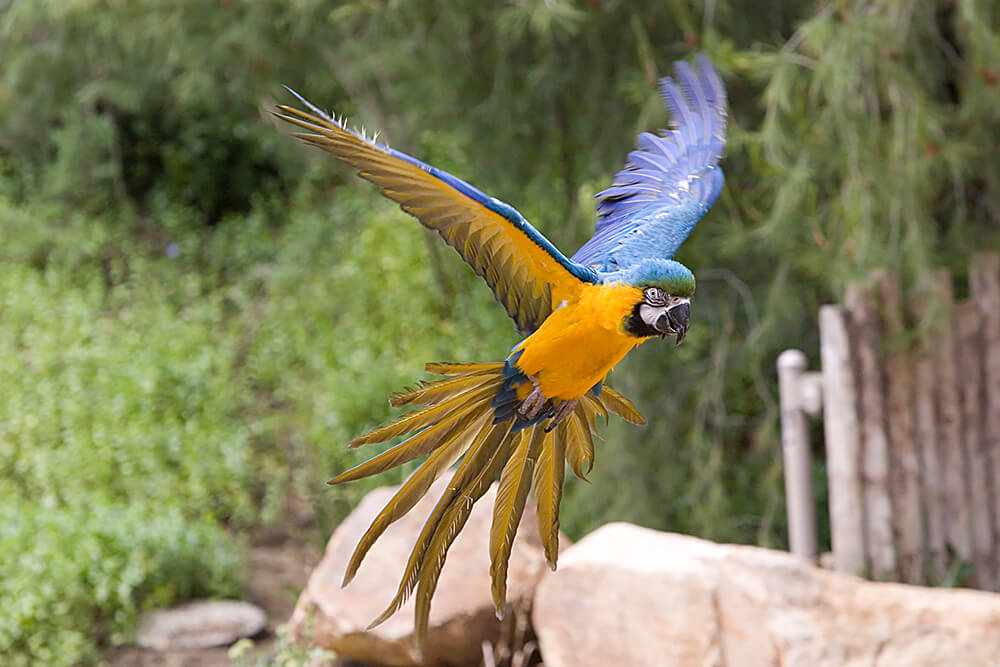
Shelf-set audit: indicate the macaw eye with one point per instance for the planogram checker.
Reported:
(655, 296)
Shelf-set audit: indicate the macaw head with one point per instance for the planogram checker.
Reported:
(665, 306)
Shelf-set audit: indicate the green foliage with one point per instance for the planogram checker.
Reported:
(285, 653)
(879, 125)
(153, 401)
(72, 575)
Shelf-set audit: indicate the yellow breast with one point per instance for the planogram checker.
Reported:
(581, 341)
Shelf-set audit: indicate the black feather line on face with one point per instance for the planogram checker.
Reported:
(636, 326)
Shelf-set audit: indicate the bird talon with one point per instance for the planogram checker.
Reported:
(561, 413)
(532, 405)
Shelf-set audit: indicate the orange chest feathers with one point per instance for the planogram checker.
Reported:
(581, 341)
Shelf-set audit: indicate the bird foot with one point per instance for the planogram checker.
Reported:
(561, 413)
(532, 405)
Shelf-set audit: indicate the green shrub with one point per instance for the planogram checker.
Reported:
(150, 400)
(74, 576)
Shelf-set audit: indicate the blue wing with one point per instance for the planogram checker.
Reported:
(668, 182)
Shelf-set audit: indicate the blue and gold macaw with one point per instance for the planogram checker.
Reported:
(524, 418)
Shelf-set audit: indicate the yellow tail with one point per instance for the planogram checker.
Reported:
(458, 419)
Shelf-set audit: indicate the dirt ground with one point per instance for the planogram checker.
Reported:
(280, 563)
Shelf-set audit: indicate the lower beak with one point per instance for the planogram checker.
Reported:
(675, 321)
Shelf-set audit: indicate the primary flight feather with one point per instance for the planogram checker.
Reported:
(527, 417)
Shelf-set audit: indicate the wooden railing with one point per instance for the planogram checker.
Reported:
(909, 393)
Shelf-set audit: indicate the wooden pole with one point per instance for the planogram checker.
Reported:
(984, 279)
(971, 389)
(934, 498)
(840, 422)
(875, 461)
(944, 342)
(796, 456)
(905, 472)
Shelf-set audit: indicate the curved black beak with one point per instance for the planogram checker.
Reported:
(675, 321)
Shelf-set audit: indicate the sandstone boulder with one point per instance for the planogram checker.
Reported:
(462, 615)
(628, 596)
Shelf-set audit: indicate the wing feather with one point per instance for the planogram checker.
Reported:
(669, 182)
(485, 231)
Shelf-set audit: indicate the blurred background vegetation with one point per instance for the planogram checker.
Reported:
(196, 311)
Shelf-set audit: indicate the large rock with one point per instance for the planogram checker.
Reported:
(626, 595)
(462, 615)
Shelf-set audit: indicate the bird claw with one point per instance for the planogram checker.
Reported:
(561, 413)
(532, 405)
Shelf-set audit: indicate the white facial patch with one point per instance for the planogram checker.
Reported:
(650, 314)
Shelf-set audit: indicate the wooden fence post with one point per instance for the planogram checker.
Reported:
(875, 461)
(842, 443)
(796, 456)
(927, 431)
(984, 279)
(971, 385)
(904, 478)
(934, 498)
(949, 411)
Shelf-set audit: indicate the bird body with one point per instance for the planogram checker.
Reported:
(580, 342)
(526, 418)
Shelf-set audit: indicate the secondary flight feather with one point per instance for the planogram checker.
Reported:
(524, 419)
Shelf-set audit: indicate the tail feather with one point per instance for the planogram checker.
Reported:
(461, 418)
(591, 408)
(594, 404)
(480, 453)
(515, 482)
(429, 393)
(459, 367)
(454, 521)
(418, 419)
(417, 445)
(621, 406)
(413, 490)
(579, 442)
(550, 471)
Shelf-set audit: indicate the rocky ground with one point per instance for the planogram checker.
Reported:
(623, 595)
(280, 562)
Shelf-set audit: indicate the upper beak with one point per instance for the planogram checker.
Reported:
(675, 321)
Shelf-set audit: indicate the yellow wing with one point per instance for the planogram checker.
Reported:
(528, 274)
